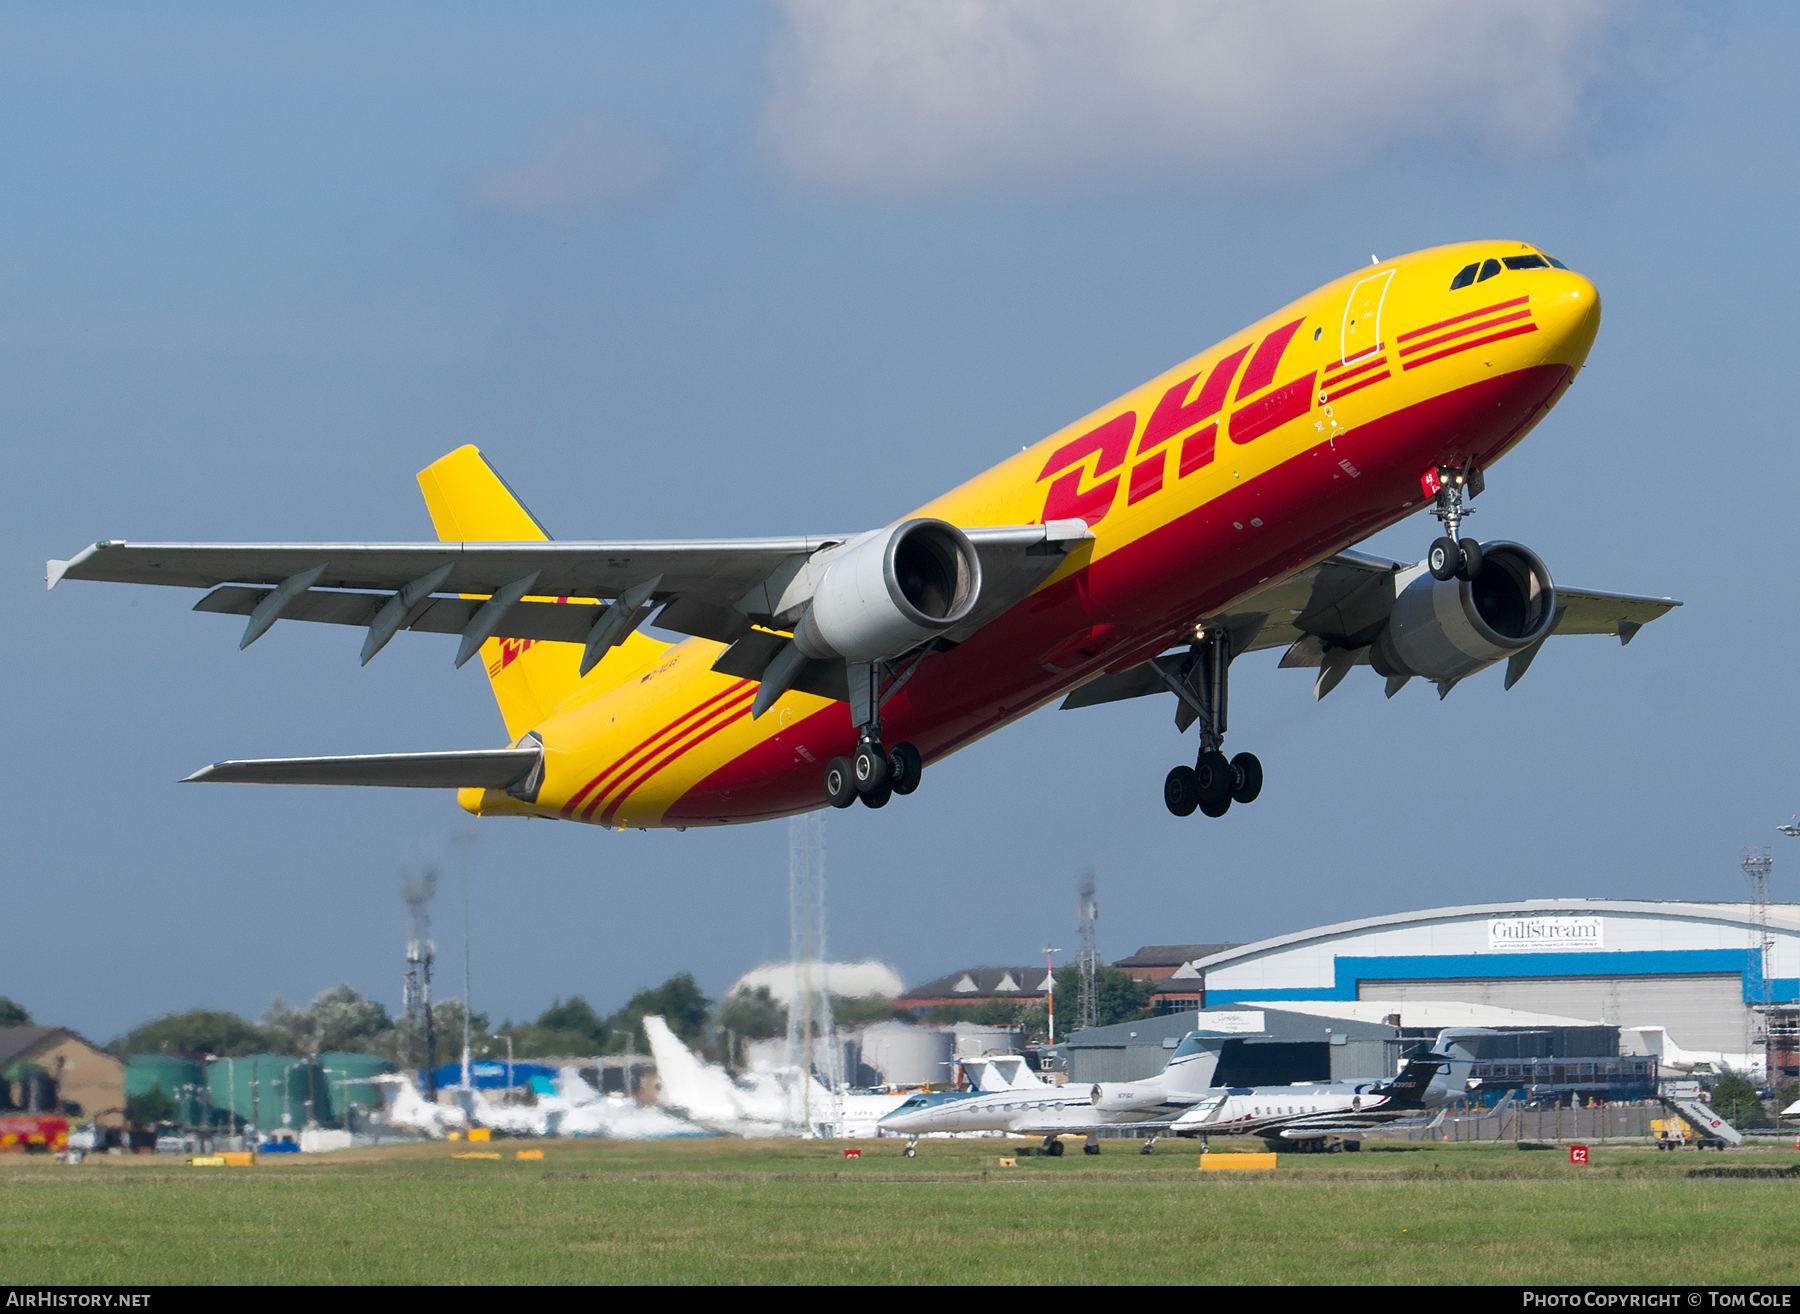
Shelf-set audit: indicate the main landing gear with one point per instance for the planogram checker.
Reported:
(1214, 782)
(874, 773)
(1451, 558)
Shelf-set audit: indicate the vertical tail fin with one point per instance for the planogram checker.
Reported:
(470, 502)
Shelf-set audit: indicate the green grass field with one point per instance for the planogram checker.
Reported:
(794, 1211)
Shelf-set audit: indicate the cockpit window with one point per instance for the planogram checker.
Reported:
(1553, 260)
(1464, 276)
(1527, 262)
(1488, 269)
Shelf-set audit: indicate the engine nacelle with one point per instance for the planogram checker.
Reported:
(1126, 1096)
(1447, 629)
(890, 591)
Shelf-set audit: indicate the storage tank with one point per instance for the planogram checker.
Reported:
(973, 1040)
(903, 1055)
(268, 1085)
(181, 1079)
(347, 1078)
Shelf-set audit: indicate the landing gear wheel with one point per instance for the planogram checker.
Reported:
(1444, 558)
(1246, 778)
(840, 785)
(878, 798)
(1181, 792)
(870, 767)
(904, 768)
(1053, 1148)
(1212, 779)
(909, 1154)
(1218, 809)
(1471, 559)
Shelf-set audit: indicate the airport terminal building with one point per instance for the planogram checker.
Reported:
(1696, 969)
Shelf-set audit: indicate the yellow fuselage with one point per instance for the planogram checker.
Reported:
(1288, 441)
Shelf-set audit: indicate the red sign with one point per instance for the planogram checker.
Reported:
(1578, 1154)
(1428, 483)
(853, 1154)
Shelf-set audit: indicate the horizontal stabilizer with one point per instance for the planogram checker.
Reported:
(482, 768)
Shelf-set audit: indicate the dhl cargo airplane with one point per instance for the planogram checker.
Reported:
(1203, 515)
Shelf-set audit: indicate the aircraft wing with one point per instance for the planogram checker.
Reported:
(716, 589)
(1342, 603)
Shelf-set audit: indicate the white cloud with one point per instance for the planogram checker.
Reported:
(904, 98)
(594, 163)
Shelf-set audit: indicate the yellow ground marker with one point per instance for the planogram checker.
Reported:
(477, 1154)
(528, 1154)
(1212, 1162)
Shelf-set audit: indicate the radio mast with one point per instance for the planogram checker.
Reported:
(1089, 1012)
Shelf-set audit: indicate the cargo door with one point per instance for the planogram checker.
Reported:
(1361, 334)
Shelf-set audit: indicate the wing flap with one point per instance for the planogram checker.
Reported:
(485, 768)
(557, 622)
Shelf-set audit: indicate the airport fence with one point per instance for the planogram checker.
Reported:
(1618, 1122)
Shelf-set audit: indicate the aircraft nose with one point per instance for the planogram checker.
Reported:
(1568, 311)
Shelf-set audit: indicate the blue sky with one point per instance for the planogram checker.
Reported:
(720, 269)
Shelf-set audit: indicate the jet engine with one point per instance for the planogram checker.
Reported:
(890, 591)
(1447, 629)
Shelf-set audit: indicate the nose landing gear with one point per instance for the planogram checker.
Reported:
(1451, 558)
(1214, 782)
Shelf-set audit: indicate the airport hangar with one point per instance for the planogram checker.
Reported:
(1695, 969)
(1569, 976)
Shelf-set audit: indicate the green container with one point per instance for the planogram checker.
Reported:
(347, 1077)
(182, 1080)
(265, 1086)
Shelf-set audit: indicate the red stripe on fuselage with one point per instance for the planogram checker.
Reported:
(723, 717)
(1465, 346)
(625, 760)
(1463, 332)
(1337, 394)
(1333, 380)
(1410, 334)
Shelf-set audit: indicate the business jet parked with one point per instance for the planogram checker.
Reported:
(1182, 1101)
(1203, 515)
(1035, 1108)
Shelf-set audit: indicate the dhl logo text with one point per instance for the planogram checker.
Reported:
(1186, 419)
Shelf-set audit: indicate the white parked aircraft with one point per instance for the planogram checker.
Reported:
(1182, 1101)
(785, 1102)
(1662, 1047)
(411, 1111)
(577, 1109)
(1036, 1109)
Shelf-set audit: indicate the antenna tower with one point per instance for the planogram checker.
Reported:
(421, 953)
(1089, 1011)
(811, 1028)
(1756, 861)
